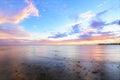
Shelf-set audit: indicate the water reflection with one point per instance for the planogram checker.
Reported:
(90, 62)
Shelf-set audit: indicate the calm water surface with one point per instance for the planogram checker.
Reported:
(61, 62)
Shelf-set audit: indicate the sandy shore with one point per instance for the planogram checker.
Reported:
(59, 63)
(54, 69)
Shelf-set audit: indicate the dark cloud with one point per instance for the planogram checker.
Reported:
(75, 29)
(114, 22)
(97, 23)
(119, 22)
(104, 33)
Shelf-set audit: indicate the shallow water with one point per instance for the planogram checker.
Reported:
(60, 62)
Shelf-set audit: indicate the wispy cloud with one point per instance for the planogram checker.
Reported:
(87, 15)
(95, 28)
(96, 21)
(18, 32)
(58, 35)
(103, 3)
(29, 10)
(13, 32)
(70, 33)
(117, 22)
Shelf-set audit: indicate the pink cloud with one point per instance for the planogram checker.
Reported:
(29, 10)
(13, 32)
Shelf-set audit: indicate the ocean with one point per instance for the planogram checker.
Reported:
(60, 62)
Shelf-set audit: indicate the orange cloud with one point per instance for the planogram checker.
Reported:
(47, 42)
(29, 10)
(92, 40)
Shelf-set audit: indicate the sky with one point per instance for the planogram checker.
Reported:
(59, 21)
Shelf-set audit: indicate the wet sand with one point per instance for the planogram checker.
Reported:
(19, 64)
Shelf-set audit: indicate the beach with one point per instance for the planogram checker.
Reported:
(60, 62)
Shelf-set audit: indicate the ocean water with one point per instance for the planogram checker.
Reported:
(60, 62)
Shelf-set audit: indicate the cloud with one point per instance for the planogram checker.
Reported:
(58, 35)
(101, 13)
(18, 32)
(78, 28)
(74, 29)
(95, 28)
(29, 10)
(97, 23)
(114, 22)
(15, 32)
(103, 3)
(92, 20)
(111, 28)
(9, 41)
(68, 37)
(87, 14)
(85, 36)
(38, 36)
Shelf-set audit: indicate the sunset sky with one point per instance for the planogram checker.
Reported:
(59, 21)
